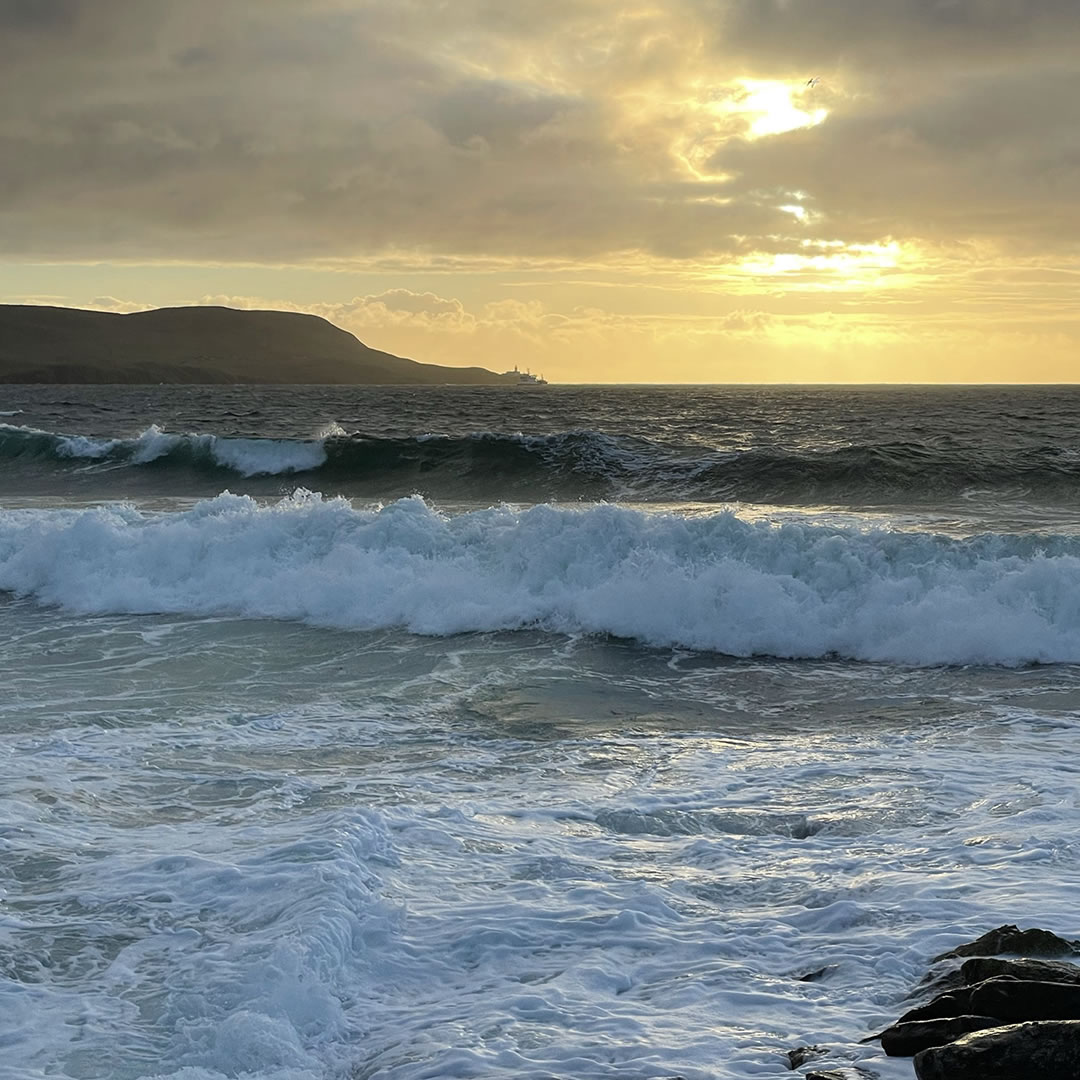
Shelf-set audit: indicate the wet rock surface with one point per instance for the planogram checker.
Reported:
(1047, 1050)
(906, 1040)
(1011, 939)
(1023, 999)
(991, 967)
(951, 1003)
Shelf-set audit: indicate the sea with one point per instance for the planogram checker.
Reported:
(546, 733)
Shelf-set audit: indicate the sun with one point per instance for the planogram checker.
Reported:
(770, 108)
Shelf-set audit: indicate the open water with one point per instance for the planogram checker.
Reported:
(576, 733)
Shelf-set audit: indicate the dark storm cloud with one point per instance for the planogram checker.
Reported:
(336, 128)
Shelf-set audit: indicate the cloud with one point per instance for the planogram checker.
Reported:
(112, 303)
(902, 37)
(35, 16)
(267, 131)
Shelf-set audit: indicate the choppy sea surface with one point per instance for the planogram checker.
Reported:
(566, 732)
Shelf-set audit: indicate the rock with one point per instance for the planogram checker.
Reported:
(842, 1074)
(952, 1003)
(1011, 939)
(988, 967)
(906, 1040)
(1014, 1000)
(937, 982)
(813, 976)
(802, 1054)
(1048, 1050)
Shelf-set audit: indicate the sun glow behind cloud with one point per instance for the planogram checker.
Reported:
(852, 266)
(771, 108)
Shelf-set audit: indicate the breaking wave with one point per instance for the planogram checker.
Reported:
(714, 582)
(247, 457)
(570, 465)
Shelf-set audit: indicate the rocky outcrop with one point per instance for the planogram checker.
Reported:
(992, 1017)
(1001, 1018)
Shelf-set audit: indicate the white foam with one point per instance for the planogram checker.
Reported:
(260, 457)
(83, 446)
(154, 443)
(711, 582)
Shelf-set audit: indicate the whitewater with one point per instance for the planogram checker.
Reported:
(713, 582)
(565, 733)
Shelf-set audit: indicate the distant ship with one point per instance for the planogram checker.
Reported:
(525, 378)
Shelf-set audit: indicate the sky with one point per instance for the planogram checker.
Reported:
(596, 190)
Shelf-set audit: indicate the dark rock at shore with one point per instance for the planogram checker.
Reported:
(1005, 939)
(1011, 939)
(1048, 1050)
(1014, 1000)
(989, 991)
(992, 1018)
(982, 968)
(906, 1040)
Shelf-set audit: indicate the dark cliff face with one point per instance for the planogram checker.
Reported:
(200, 345)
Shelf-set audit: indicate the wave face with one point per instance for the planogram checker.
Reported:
(570, 465)
(714, 583)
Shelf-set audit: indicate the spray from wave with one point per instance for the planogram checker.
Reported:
(715, 582)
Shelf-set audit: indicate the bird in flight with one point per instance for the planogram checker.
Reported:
(813, 82)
